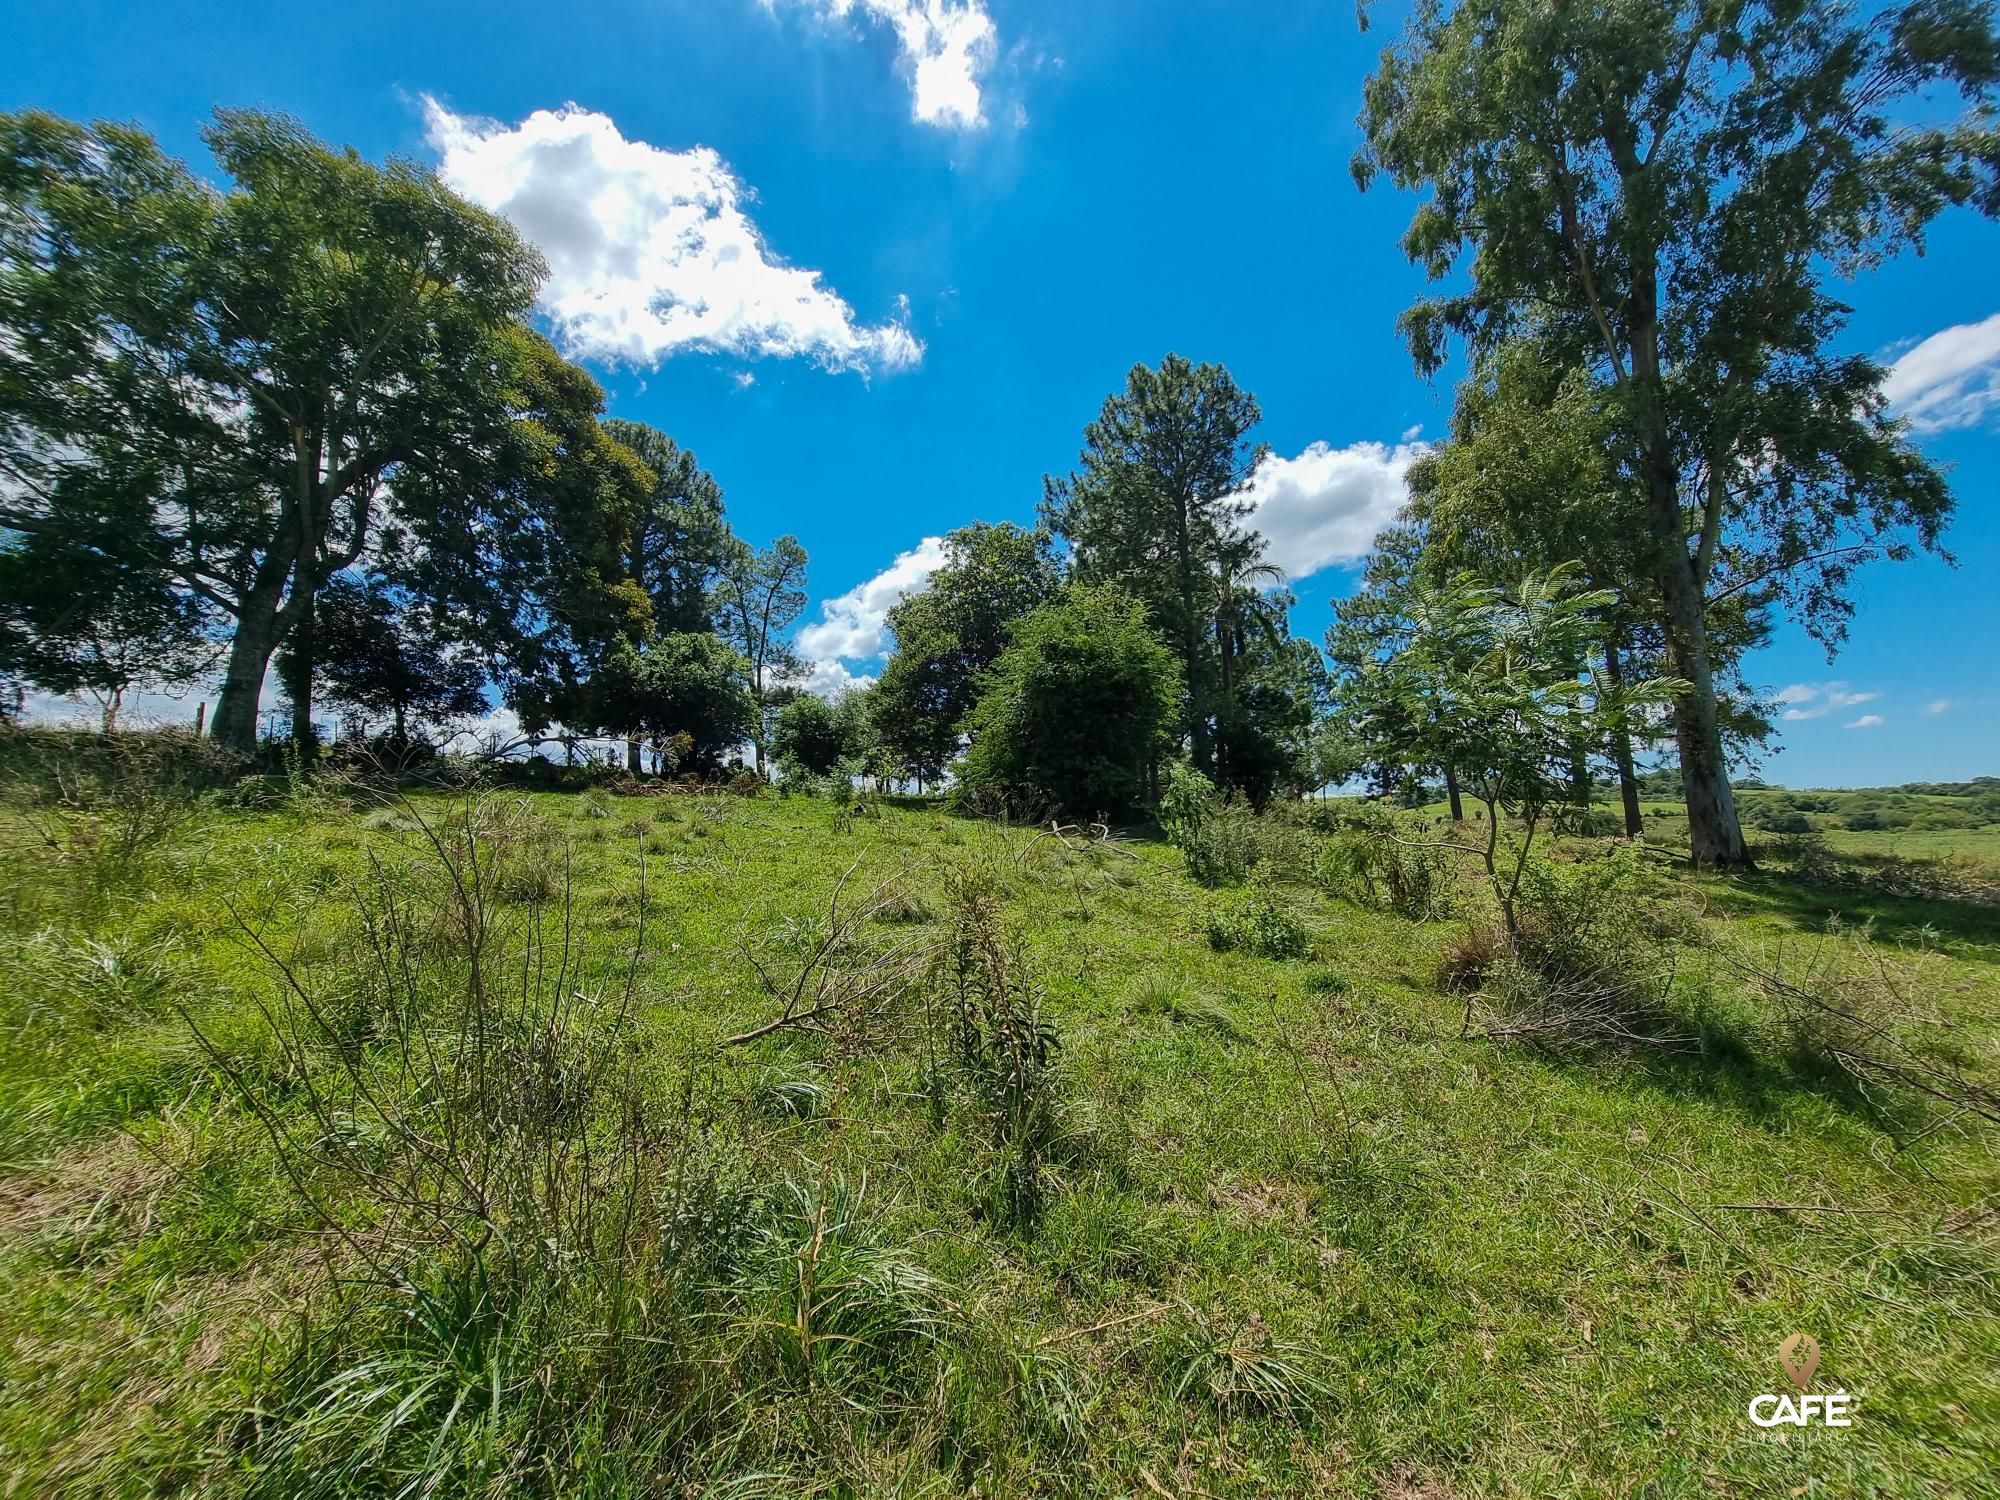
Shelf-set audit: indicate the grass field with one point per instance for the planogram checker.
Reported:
(1292, 1234)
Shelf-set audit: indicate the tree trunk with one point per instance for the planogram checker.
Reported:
(301, 683)
(235, 720)
(1621, 747)
(1451, 792)
(1715, 837)
(632, 762)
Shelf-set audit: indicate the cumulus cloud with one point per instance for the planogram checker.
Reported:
(650, 251)
(1866, 721)
(945, 47)
(832, 678)
(1326, 505)
(1949, 380)
(1815, 700)
(855, 625)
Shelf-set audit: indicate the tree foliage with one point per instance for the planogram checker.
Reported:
(230, 382)
(382, 654)
(759, 597)
(949, 634)
(1496, 683)
(1156, 506)
(679, 543)
(1659, 189)
(75, 620)
(682, 683)
(1074, 709)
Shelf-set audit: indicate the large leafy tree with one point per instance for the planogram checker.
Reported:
(813, 736)
(384, 654)
(523, 542)
(1073, 712)
(759, 596)
(679, 542)
(1661, 189)
(76, 621)
(949, 634)
(681, 683)
(1156, 506)
(231, 382)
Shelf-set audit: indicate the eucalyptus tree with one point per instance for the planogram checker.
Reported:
(1156, 506)
(230, 381)
(1662, 190)
(758, 598)
(1528, 479)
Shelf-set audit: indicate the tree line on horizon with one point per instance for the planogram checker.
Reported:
(304, 421)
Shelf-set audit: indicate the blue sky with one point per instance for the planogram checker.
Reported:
(939, 231)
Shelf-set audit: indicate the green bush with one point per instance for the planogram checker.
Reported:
(1374, 865)
(1072, 710)
(1257, 924)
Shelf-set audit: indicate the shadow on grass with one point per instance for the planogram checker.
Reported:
(1722, 1053)
(1810, 906)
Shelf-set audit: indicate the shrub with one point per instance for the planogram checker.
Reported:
(1220, 839)
(1072, 709)
(1372, 864)
(1258, 925)
(1591, 957)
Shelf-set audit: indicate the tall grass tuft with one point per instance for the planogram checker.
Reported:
(1001, 1045)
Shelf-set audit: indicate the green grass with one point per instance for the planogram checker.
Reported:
(1296, 1235)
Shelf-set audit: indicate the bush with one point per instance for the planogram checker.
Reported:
(1593, 956)
(1072, 710)
(1372, 864)
(1217, 839)
(1257, 924)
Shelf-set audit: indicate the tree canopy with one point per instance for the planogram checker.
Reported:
(949, 634)
(1660, 189)
(1074, 709)
(228, 383)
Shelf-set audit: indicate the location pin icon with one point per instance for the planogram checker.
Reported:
(1799, 1354)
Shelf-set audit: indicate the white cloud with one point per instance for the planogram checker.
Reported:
(832, 678)
(855, 624)
(1866, 721)
(1937, 706)
(1817, 700)
(945, 46)
(650, 252)
(1326, 505)
(1949, 380)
